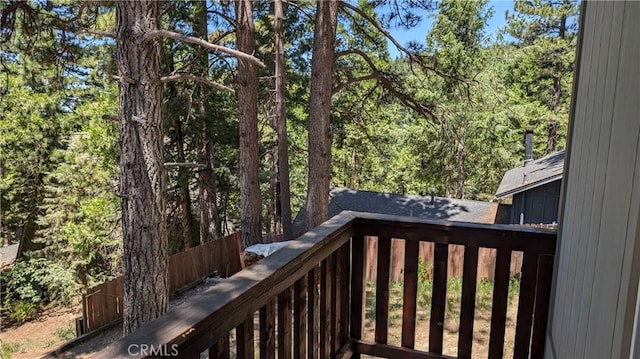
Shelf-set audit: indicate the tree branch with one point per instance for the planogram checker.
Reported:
(184, 164)
(99, 33)
(200, 79)
(388, 84)
(297, 6)
(413, 57)
(353, 80)
(111, 118)
(200, 42)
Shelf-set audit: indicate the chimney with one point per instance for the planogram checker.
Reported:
(528, 145)
(433, 194)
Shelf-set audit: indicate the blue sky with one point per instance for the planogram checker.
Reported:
(419, 33)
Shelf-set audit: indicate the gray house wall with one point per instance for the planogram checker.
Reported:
(537, 205)
(598, 258)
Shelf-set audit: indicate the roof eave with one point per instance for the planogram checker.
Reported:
(529, 186)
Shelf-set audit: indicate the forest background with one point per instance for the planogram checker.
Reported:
(446, 111)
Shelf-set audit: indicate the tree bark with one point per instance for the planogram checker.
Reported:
(322, 63)
(354, 168)
(183, 183)
(207, 185)
(284, 192)
(143, 177)
(250, 199)
(207, 191)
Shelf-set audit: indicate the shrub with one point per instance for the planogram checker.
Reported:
(21, 311)
(66, 333)
(39, 281)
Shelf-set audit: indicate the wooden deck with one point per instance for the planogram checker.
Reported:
(309, 296)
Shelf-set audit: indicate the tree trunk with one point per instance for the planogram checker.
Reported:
(183, 183)
(284, 192)
(323, 58)
(207, 191)
(146, 285)
(250, 199)
(552, 136)
(354, 167)
(461, 175)
(207, 186)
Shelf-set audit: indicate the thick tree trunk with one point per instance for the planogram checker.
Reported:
(146, 285)
(284, 192)
(250, 199)
(207, 186)
(323, 57)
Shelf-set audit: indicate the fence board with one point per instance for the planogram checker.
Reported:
(104, 302)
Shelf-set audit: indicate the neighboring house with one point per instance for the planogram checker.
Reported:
(451, 209)
(535, 188)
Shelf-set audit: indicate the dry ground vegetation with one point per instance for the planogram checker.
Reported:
(44, 332)
(481, 326)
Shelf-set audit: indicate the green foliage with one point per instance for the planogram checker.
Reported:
(21, 311)
(8, 348)
(39, 281)
(65, 333)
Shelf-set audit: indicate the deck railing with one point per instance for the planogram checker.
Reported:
(308, 299)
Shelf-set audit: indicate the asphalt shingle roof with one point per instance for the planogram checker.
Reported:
(536, 173)
(342, 199)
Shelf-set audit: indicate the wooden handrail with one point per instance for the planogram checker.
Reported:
(206, 319)
(202, 320)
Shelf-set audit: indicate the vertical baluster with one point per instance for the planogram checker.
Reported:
(335, 301)
(411, 251)
(343, 307)
(300, 318)
(268, 331)
(357, 288)
(543, 292)
(314, 318)
(499, 306)
(468, 302)
(220, 350)
(382, 289)
(284, 324)
(525, 305)
(439, 296)
(244, 337)
(325, 307)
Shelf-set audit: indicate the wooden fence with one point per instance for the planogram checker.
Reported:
(486, 260)
(103, 303)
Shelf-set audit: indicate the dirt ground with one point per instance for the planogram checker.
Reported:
(32, 339)
(481, 325)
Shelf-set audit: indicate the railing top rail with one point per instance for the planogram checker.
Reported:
(211, 314)
(204, 318)
(511, 237)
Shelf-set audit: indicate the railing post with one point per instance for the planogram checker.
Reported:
(357, 287)
(382, 290)
(438, 297)
(410, 297)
